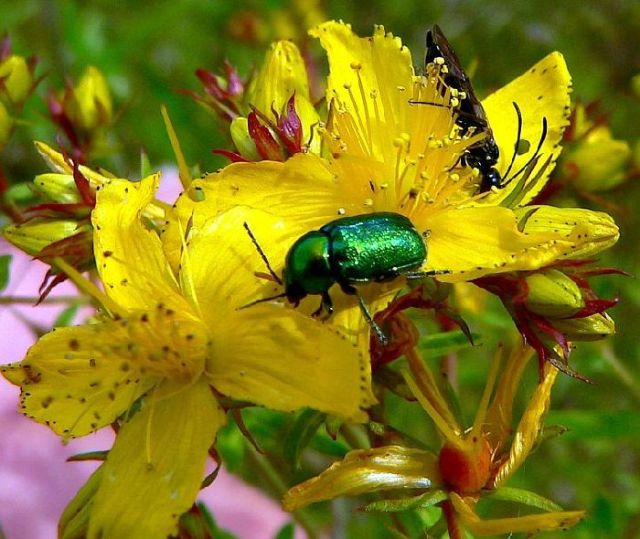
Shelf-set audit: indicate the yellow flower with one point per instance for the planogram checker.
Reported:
(166, 346)
(381, 151)
(472, 463)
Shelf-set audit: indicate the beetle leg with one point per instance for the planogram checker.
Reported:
(420, 274)
(384, 341)
(326, 305)
(348, 289)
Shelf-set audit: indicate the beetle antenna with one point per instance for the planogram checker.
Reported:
(261, 300)
(262, 255)
(384, 341)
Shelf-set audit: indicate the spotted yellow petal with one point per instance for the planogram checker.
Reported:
(471, 242)
(530, 524)
(588, 232)
(79, 379)
(285, 360)
(128, 252)
(529, 427)
(368, 470)
(541, 92)
(156, 466)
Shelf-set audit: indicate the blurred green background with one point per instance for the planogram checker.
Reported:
(148, 51)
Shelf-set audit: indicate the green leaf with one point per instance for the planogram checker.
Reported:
(65, 318)
(427, 499)
(301, 434)
(286, 532)
(5, 262)
(525, 497)
(439, 344)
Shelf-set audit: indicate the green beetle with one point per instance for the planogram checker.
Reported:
(350, 251)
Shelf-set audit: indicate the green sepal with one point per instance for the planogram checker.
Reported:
(524, 497)
(302, 432)
(89, 455)
(428, 499)
(74, 521)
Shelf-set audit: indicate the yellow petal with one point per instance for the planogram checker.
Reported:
(128, 254)
(361, 66)
(529, 427)
(219, 262)
(368, 470)
(585, 232)
(541, 92)
(530, 524)
(303, 191)
(79, 379)
(498, 426)
(156, 466)
(282, 359)
(471, 242)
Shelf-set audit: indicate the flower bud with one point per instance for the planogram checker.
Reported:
(597, 162)
(33, 236)
(553, 295)
(239, 130)
(6, 124)
(17, 79)
(57, 187)
(90, 105)
(466, 470)
(590, 328)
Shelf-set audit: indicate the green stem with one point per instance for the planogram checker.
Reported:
(279, 488)
(29, 300)
(355, 436)
(621, 371)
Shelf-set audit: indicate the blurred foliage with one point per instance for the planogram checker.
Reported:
(149, 51)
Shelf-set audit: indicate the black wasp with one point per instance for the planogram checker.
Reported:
(484, 154)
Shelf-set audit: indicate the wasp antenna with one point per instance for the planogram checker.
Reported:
(384, 341)
(262, 254)
(536, 154)
(441, 105)
(518, 137)
(261, 300)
